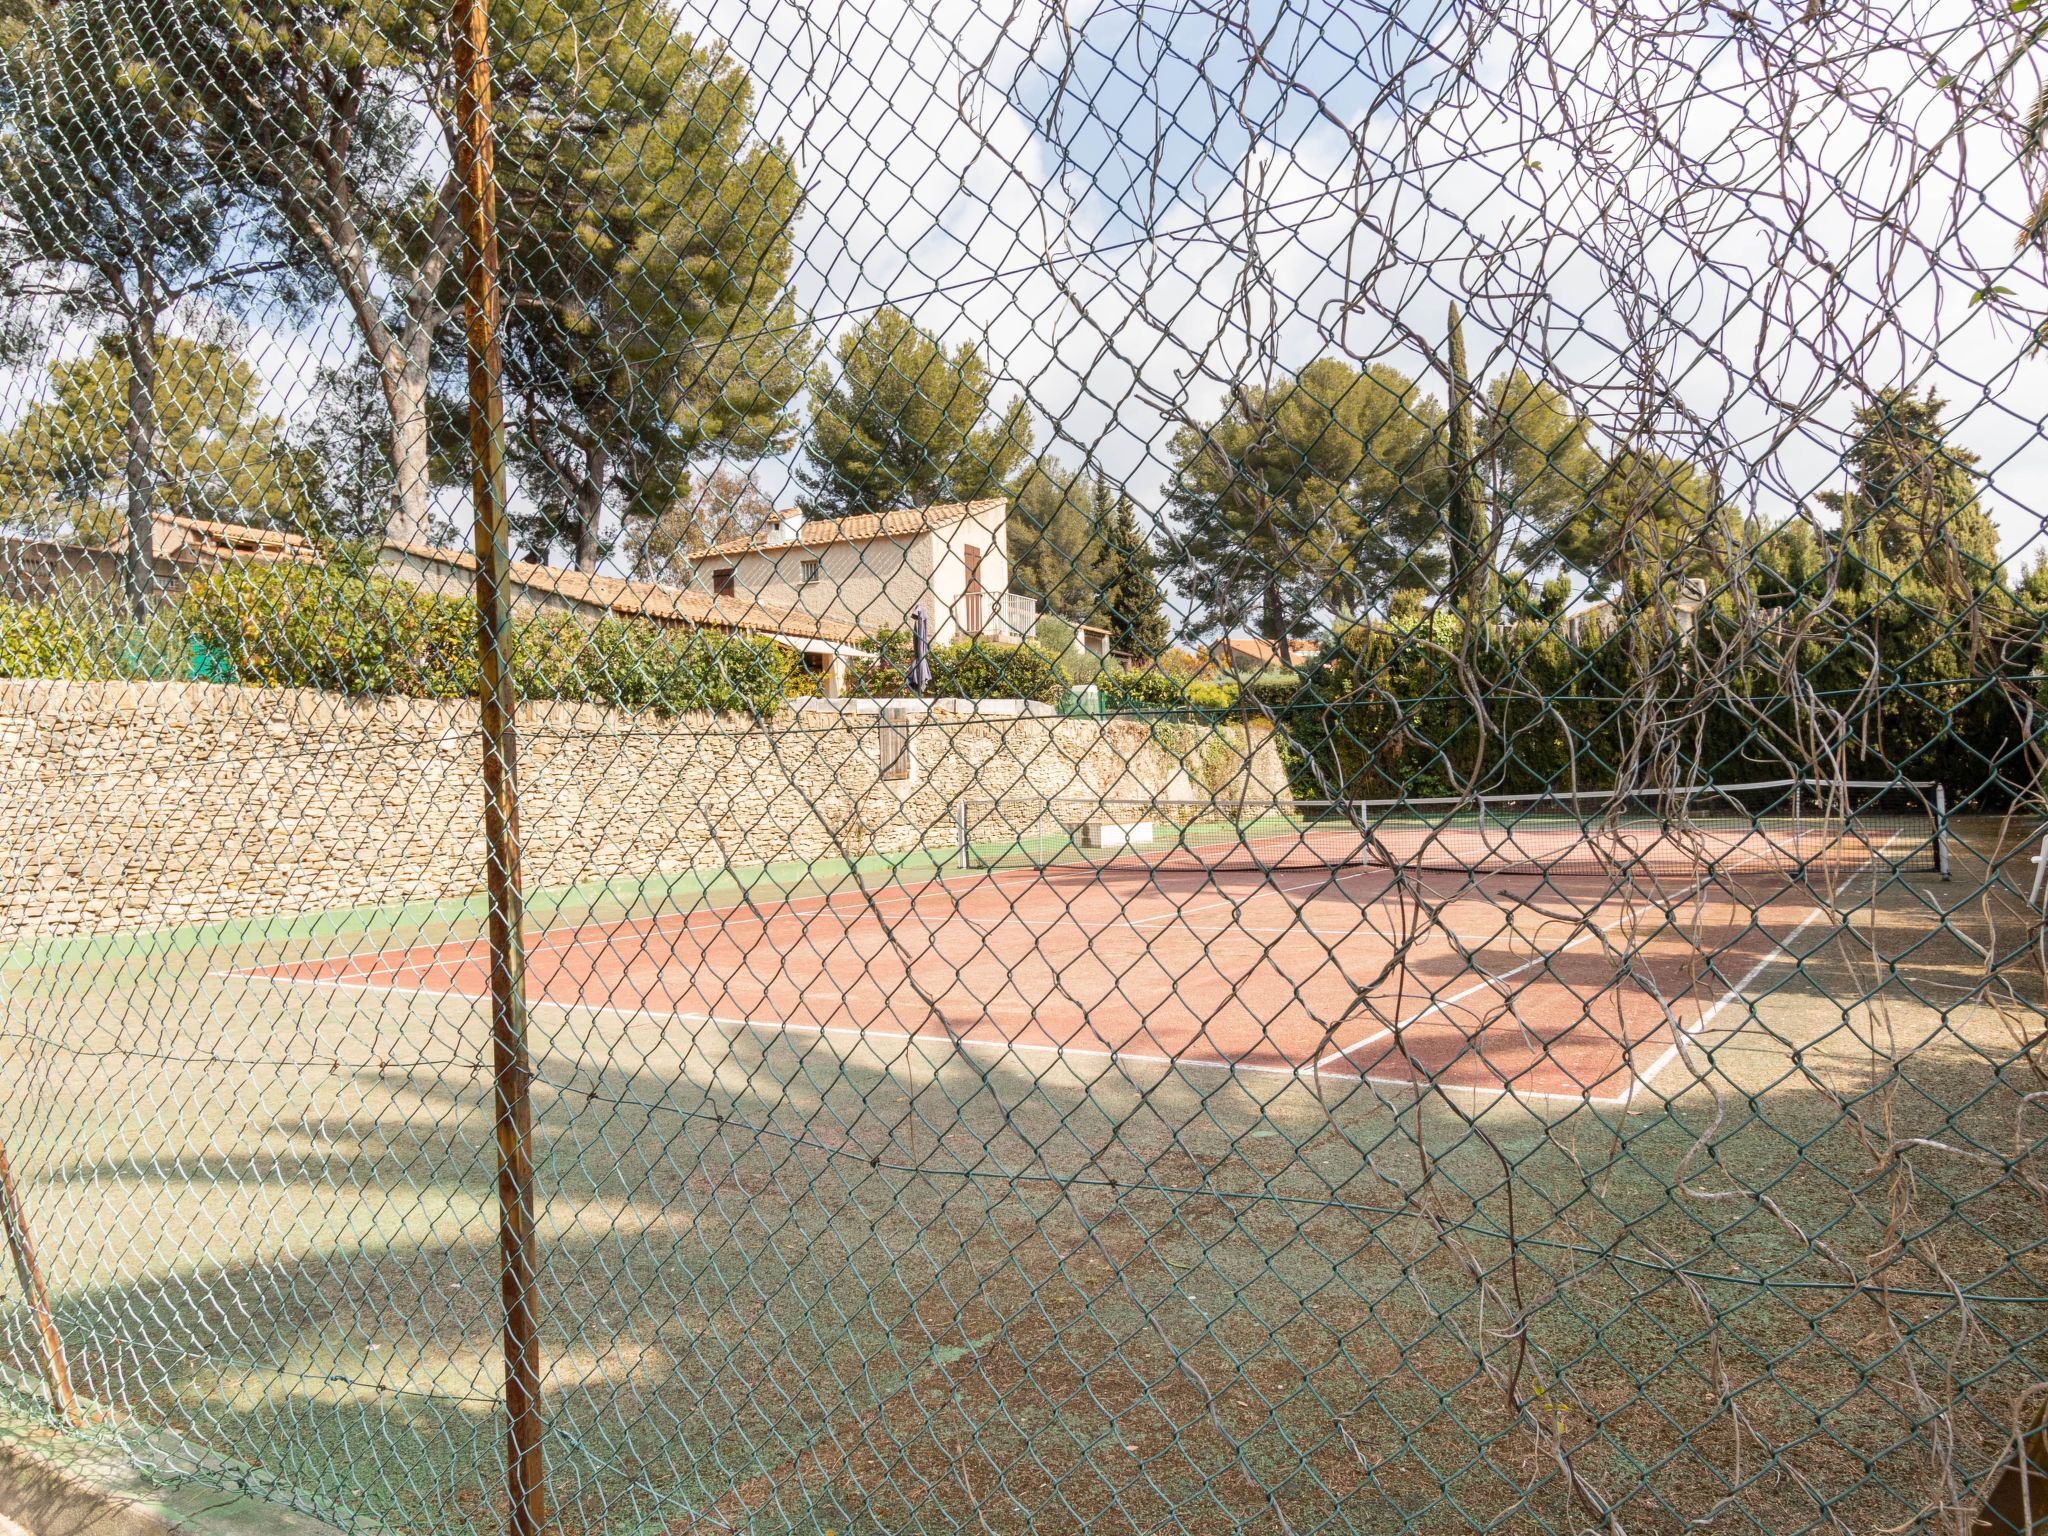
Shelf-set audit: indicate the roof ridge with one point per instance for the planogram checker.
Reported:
(665, 601)
(853, 527)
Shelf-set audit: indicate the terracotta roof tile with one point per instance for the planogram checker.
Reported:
(1254, 649)
(821, 531)
(650, 600)
(195, 539)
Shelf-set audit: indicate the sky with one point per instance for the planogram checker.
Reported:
(1724, 230)
(1712, 233)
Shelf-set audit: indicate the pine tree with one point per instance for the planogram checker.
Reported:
(117, 212)
(1317, 493)
(214, 453)
(1912, 508)
(1054, 546)
(1130, 605)
(650, 323)
(907, 423)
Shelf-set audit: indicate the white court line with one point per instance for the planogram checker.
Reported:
(1438, 1004)
(965, 1043)
(780, 1026)
(1491, 1091)
(584, 935)
(1778, 951)
(1444, 1002)
(1320, 1068)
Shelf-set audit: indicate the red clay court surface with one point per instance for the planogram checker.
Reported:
(1514, 987)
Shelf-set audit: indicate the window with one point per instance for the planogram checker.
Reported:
(894, 752)
(970, 617)
(810, 572)
(721, 582)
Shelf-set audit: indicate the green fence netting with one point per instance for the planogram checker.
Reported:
(1128, 768)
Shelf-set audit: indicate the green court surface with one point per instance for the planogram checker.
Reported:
(800, 1283)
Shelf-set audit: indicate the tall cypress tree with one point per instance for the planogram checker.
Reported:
(1465, 505)
(1130, 606)
(1912, 508)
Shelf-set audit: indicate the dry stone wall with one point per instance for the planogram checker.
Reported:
(139, 805)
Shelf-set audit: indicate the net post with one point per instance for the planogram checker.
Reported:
(49, 1343)
(512, 1069)
(1941, 866)
(960, 856)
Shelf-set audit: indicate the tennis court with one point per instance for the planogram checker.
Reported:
(1536, 954)
(1064, 1136)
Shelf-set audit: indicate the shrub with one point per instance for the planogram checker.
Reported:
(47, 641)
(1146, 689)
(1276, 689)
(1054, 635)
(977, 669)
(1156, 688)
(965, 669)
(639, 666)
(547, 656)
(301, 626)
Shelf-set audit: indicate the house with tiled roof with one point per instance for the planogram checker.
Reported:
(824, 643)
(1251, 653)
(870, 571)
(36, 569)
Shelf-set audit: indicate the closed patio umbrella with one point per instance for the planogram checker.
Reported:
(919, 677)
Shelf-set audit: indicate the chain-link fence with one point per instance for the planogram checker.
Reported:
(1133, 768)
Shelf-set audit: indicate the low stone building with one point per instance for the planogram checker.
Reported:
(40, 570)
(872, 571)
(825, 644)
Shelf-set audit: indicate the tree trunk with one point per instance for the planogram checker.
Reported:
(403, 372)
(140, 569)
(1274, 620)
(590, 503)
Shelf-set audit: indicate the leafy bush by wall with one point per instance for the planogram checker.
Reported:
(350, 631)
(1151, 689)
(966, 669)
(48, 641)
(299, 627)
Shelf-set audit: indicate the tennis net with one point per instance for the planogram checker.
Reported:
(1791, 827)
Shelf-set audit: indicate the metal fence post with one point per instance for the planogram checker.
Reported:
(526, 1511)
(50, 1344)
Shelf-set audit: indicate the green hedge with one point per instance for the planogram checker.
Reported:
(54, 642)
(345, 631)
(1152, 689)
(317, 627)
(1380, 715)
(966, 669)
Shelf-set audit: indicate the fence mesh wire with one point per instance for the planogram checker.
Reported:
(1277, 765)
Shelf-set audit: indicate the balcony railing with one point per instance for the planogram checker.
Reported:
(1014, 617)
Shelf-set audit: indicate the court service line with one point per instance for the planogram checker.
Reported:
(1438, 1004)
(967, 1043)
(1493, 1091)
(1778, 951)
(956, 1042)
(782, 1026)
